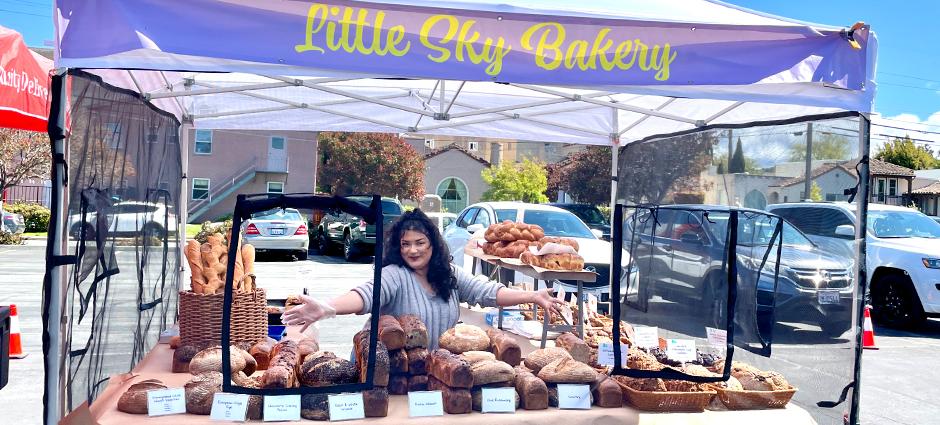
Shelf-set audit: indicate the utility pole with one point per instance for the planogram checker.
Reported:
(808, 181)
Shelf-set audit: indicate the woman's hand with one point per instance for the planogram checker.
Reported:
(312, 310)
(545, 298)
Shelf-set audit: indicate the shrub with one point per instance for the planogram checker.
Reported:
(7, 238)
(36, 216)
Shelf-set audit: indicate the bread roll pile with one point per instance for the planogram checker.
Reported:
(208, 262)
(560, 262)
(510, 231)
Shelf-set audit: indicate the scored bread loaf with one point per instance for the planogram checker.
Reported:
(210, 359)
(398, 384)
(450, 369)
(567, 371)
(575, 346)
(491, 371)
(375, 402)
(201, 390)
(326, 369)
(183, 355)
(416, 333)
(533, 393)
(134, 400)
(391, 333)
(456, 400)
(464, 337)
(477, 356)
(504, 347)
(606, 392)
(418, 361)
(537, 359)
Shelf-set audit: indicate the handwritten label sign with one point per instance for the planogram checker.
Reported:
(344, 407)
(574, 396)
(717, 337)
(646, 336)
(282, 408)
(166, 402)
(605, 354)
(499, 400)
(229, 407)
(592, 304)
(425, 403)
(681, 350)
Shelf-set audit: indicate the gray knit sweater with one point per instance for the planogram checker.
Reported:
(402, 294)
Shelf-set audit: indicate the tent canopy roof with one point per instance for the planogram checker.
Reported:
(537, 70)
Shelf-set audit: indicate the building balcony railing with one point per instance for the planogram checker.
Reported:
(882, 198)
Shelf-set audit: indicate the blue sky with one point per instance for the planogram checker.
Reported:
(908, 57)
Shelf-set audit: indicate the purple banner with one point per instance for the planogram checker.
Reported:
(428, 42)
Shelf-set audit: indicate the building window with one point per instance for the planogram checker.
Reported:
(200, 188)
(275, 187)
(473, 146)
(892, 187)
(203, 145)
(453, 193)
(429, 143)
(112, 135)
(832, 197)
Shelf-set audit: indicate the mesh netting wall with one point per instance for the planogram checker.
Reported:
(794, 306)
(123, 187)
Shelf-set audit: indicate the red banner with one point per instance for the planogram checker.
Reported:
(24, 84)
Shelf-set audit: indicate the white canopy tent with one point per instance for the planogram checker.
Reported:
(238, 65)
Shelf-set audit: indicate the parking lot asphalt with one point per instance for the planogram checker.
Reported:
(898, 380)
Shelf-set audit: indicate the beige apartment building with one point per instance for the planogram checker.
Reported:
(225, 163)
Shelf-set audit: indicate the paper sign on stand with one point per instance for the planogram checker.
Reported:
(425, 403)
(229, 407)
(646, 336)
(681, 350)
(592, 304)
(344, 407)
(166, 402)
(282, 408)
(605, 354)
(717, 337)
(499, 400)
(574, 396)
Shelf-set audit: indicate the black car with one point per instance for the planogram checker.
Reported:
(350, 231)
(590, 215)
(680, 255)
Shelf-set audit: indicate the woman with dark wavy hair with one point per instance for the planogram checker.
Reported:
(419, 279)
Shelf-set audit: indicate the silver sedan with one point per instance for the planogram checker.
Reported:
(282, 230)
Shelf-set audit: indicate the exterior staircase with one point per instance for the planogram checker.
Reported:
(245, 173)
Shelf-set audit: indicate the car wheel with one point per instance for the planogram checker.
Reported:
(895, 302)
(349, 249)
(302, 255)
(715, 302)
(323, 244)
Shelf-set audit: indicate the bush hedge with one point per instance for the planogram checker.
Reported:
(36, 216)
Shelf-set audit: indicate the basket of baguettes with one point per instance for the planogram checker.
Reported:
(200, 307)
(528, 243)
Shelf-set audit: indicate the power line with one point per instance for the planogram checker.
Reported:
(906, 122)
(906, 86)
(25, 13)
(909, 76)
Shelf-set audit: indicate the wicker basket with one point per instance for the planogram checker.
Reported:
(746, 400)
(200, 318)
(666, 401)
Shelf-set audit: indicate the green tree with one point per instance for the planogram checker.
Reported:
(585, 175)
(737, 163)
(377, 163)
(905, 153)
(825, 146)
(815, 193)
(525, 181)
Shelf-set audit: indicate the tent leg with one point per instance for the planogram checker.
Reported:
(184, 132)
(54, 282)
(614, 153)
(861, 199)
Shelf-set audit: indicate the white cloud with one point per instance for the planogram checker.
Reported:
(906, 124)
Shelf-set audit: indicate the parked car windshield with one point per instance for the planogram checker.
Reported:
(902, 224)
(758, 231)
(503, 215)
(557, 223)
(278, 214)
(388, 207)
(588, 213)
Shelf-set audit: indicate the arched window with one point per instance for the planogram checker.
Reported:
(453, 193)
(755, 199)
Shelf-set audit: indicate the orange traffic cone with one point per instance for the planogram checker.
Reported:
(868, 331)
(16, 343)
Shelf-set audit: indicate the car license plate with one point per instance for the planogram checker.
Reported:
(277, 231)
(828, 297)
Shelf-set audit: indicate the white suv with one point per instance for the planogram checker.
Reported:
(903, 248)
(128, 218)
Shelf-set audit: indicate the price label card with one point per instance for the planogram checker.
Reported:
(229, 407)
(425, 403)
(605, 354)
(717, 337)
(499, 400)
(681, 350)
(344, 407)
(566, 313)
(592, 304)
(574, 396)
(646, 336)
(166, 402)
(282, 408)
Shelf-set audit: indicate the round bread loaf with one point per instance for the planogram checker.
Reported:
(567, 371)
(134, 400)
(200, 391)
(537, 359)
(315, 407)
(327, 370)
(462, 338)
(183, 355)
(210, 360)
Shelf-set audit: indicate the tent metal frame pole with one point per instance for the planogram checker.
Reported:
(578, 97)
(345, 93)
(614, 153)
(862, 197)
(185, 191)
(216, 90)
(645, 117)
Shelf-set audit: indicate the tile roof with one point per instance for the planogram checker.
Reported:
(457, 147)
(876, 167)
(931, 189)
